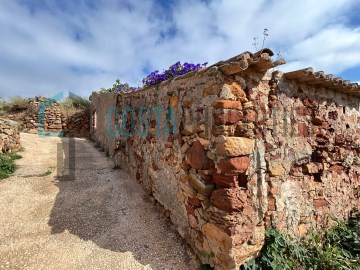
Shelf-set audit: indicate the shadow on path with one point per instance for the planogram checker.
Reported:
(99, 203)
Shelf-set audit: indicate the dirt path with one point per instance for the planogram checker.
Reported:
(100, 220)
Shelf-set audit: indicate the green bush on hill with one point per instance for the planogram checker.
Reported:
(76, 103)
(14, 104)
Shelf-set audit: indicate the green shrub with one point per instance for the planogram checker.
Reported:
(336, 248)
(15, 104)
(3, 175)
(76, 103)
(7, 164)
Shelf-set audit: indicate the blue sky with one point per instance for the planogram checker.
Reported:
(48, 46)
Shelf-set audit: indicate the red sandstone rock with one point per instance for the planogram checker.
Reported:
(190, 210)
(271, 204)
(227, 199)
(336, 168)
(196, 157)
(234, 165)
(303, 130)
(226, 181)
(249, 116)
(194, 202)
(227, 104)
(302, 111)
(319, 203)
(316, 121)
(227, 118)
(311, 103)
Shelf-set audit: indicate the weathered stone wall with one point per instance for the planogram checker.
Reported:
(205, 194)
(78, 124)
(50, 116)
(231, 149)
(9, 136)
(312, 154)
(51, 119)
(102, 127)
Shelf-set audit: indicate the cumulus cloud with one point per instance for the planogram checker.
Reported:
(79, 46)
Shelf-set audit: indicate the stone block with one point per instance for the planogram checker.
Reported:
(228, 199)
(249, 116)
(227, 117)
(226, 181)
(234, 165)
(196, 157)
(277, 170)
(320, 203)
(235, 146)
(227, 104)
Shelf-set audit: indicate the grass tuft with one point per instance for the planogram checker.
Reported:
(7, 164)
(337, 248)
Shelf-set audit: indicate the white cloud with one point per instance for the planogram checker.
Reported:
(78, 48)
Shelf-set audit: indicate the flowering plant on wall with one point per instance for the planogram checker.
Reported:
(176, 69)
(155, 77)
(119, 87)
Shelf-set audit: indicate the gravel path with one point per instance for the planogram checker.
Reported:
(102, 219)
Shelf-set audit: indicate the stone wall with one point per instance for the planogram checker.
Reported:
(311, 152)
(50, 116)
(102, 120)
(9, 136)
(229, 150)
(78, 124)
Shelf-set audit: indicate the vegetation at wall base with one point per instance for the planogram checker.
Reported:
(337, 248)
(7, 164)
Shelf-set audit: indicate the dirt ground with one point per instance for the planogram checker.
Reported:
(92, 217)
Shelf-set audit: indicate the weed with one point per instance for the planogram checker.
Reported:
(255, 44)
(7, 164)
(48, 172)
(208, 255)
(336, 248)
(3, 175)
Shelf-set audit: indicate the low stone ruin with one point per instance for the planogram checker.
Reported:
(46, 116)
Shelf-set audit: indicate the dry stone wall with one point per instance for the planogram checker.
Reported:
(9, 136)
(232, 149)
(312, 155)
(44, 115)
(78, 124)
